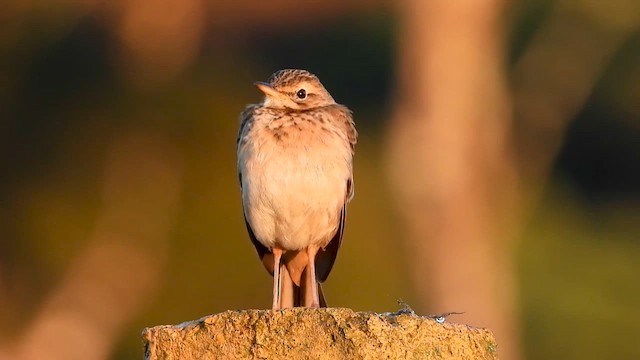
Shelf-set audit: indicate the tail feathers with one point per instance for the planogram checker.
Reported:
(323, 301)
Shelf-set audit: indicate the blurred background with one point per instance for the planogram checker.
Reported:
(497, 169)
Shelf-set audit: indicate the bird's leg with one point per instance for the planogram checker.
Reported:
(277, 255)
(288, 291)
(312, 281)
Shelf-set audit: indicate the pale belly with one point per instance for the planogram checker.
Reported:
(293, 197)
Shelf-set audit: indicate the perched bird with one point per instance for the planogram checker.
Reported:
(295, 164)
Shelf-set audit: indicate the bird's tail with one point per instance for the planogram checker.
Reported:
(323, 302)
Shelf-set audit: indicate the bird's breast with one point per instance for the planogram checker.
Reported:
(294, 178)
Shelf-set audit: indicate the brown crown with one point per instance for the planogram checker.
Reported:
(290, 76)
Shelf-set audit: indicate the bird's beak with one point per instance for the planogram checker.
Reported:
(267, 89)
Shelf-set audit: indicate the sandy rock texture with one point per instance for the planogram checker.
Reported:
(332, 333)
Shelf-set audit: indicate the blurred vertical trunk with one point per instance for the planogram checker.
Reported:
(449, 156)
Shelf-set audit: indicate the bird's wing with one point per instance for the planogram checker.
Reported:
(265, 255)
(246, 121)
(343, 118)
(326, 257)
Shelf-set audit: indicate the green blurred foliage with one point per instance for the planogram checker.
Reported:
(579, 268)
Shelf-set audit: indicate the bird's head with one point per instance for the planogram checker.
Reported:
(294, 89)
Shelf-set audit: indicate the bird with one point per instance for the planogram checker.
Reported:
(295, 166)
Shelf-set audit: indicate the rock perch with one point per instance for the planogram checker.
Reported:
(332, 333)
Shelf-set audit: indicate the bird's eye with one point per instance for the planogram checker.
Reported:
(301, 94)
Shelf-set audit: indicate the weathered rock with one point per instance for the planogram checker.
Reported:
(332, 333)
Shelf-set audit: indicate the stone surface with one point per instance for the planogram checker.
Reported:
(332, 333)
